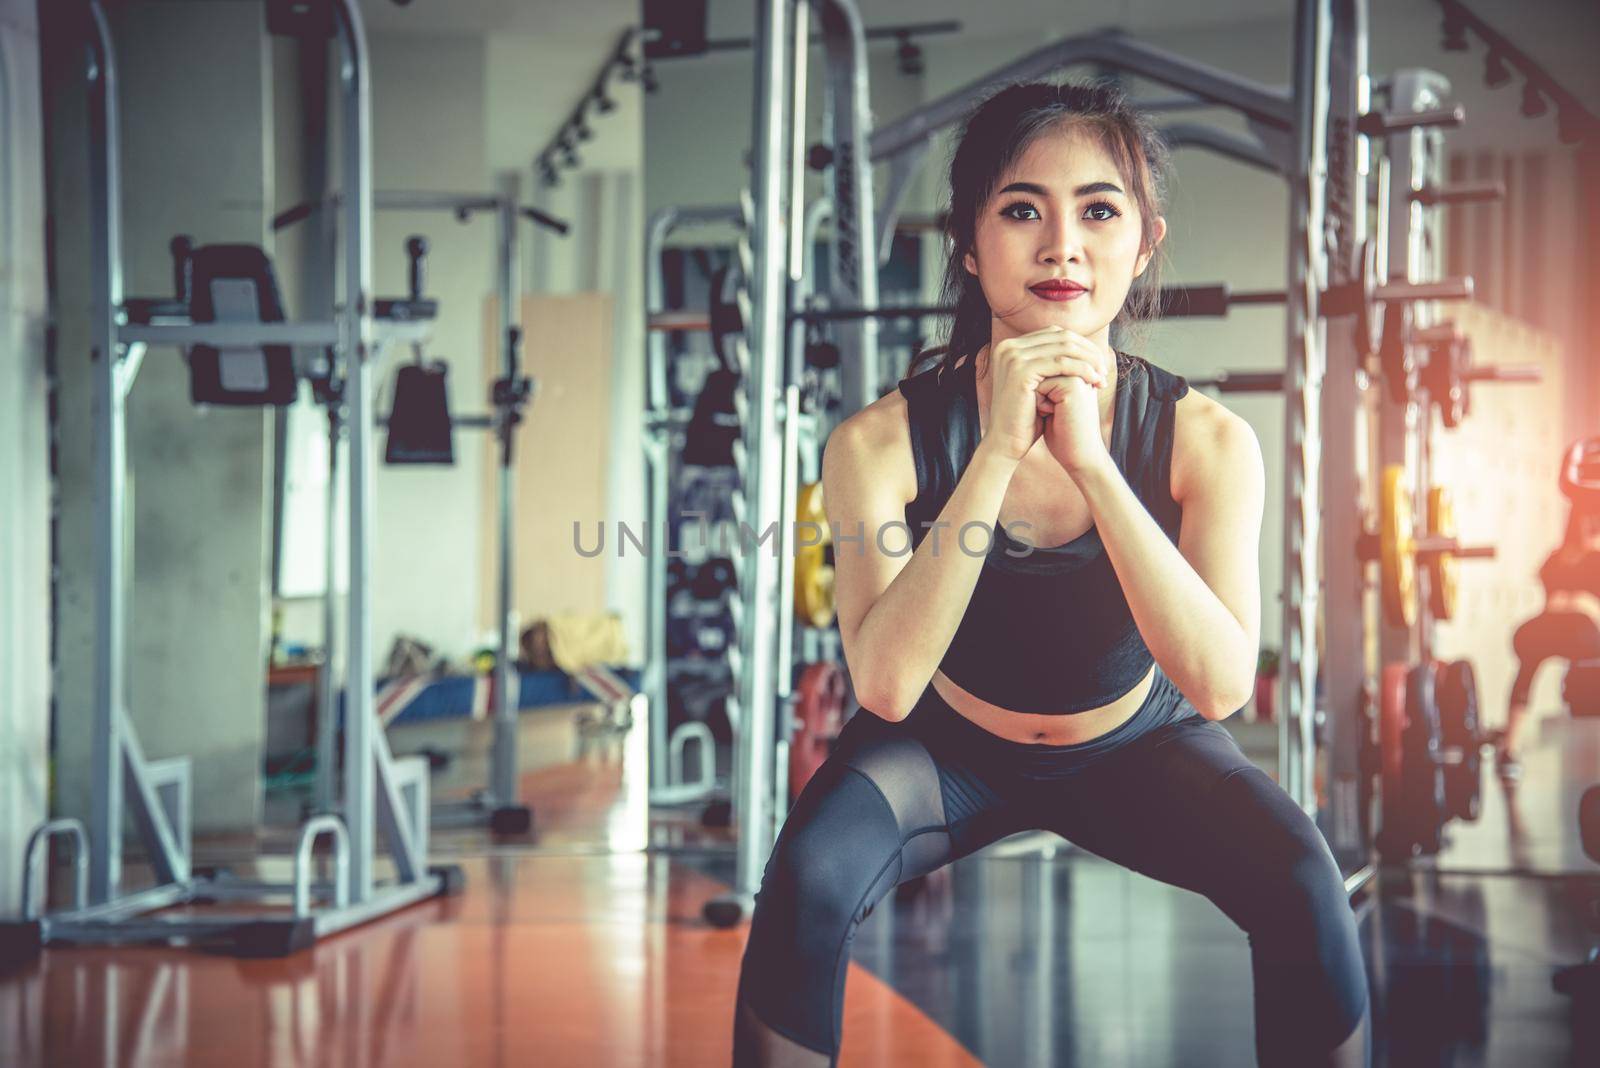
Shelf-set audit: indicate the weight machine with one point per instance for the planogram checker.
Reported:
(666, 428)
(421, 431)
(226, 315)
(661, 425)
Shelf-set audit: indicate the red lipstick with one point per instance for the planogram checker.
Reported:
(1057, 289)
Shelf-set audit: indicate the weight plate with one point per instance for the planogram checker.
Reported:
(813, 565)
(1398, 559)
(1425, 808)
(1460, 729)
(1443, 568)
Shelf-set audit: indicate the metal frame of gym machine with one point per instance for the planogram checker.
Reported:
(666, 754)
(1318, 131)
(1414, 160)
(499, 804)
(380, 792)
(667, 785)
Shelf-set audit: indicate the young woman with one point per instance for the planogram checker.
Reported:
(1080, 608)
(1569, 626)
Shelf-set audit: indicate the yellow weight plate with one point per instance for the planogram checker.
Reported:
(813, 573)
(1398, 560)
(1443, 568)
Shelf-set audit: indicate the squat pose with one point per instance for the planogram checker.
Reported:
(1080, 608)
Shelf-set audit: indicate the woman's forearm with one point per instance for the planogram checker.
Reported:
(1201, 646)
(905, 633)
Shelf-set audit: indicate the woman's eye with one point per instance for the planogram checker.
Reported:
(1020, 210)
(1102, 206)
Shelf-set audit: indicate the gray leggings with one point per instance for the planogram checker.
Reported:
(1168, 794)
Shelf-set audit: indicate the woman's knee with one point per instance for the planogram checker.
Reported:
(824, 864)
(1313, 891)
(1290, 881)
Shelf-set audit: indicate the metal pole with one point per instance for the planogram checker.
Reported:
(765, 330)
(356, 321)
(503, 786)
(1343, 672)
(327, 682)
(854, 275)
(1302, 380)
(1429, 236)
(657, 436)
(322, 280)
(110, 465)
(1403, 428)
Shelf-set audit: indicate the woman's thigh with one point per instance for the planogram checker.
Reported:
(1184, 805)
(1567, 635)
(943, 806)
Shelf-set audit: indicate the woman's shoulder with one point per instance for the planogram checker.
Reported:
(1160, 383)
(875, 444)
(1209, 441)
(1197, 418)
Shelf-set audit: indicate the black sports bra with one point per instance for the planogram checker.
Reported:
(1048, 629)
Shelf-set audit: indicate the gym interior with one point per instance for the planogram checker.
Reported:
(418, 602)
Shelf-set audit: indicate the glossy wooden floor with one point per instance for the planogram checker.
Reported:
(547, 960)
(1006, 958)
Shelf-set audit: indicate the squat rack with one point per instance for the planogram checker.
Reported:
(381, 793)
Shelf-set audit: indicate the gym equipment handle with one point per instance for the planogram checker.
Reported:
(1378, 124)
(1463, 193)
(416, 249)
(1444, 289)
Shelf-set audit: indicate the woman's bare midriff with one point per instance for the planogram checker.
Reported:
(1031, 728)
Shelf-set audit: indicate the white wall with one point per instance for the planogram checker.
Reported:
(428, 135)
(24, 452)
(535, 81)
(429, 132)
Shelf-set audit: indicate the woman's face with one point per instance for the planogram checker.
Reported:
(1059, 241)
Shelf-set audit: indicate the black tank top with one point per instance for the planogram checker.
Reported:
(1048, 629)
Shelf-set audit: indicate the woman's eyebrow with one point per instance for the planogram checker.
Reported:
(1081, 191)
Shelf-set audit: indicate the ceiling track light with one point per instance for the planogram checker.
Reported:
(1503, 60)
(1495, 71)
(562, 150)
(908, 55)
(1533, 104)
